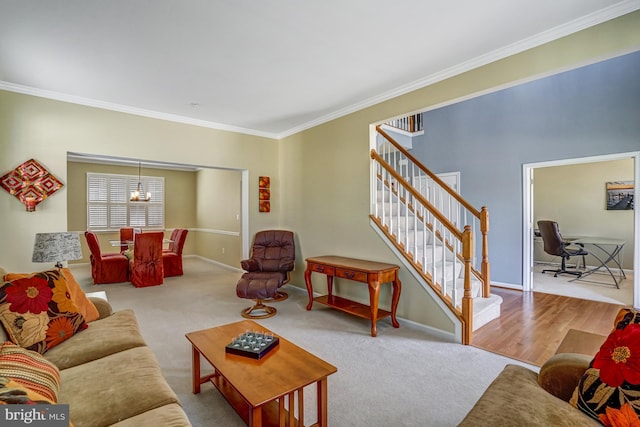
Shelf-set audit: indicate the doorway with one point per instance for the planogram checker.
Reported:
(581, 214)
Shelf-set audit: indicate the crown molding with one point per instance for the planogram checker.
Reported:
(555, 33)
(58, 96)
(606, 14)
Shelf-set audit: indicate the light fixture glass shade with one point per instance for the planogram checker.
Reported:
(136, 195)
(56, 247)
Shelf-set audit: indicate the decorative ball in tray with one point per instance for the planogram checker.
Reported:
(253, 344)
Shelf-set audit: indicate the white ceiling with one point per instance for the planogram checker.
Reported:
(266, 67)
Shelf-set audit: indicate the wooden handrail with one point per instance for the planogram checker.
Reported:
(432, 209)
(465, 236)
(433, 176)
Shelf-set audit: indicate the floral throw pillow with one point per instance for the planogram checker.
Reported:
(37, 311)
(609, 390)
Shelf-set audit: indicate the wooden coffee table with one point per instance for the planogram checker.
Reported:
(259, 388)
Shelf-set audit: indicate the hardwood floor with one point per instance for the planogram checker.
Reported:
(532, 324)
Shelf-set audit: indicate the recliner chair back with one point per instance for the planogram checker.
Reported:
(274, 250)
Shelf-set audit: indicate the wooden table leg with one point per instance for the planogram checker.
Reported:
(195, 369)
(374, 294)
(300, 407)
(322, 403)
(329, 285)
(397, 287)
(307, 281)
(255, 417)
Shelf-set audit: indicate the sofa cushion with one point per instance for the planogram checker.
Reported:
(30, 369)
(37, 311)
(114, 388)
(613, 377)
(85, 306)
(514, 398)
(171, 415)
(106, 336)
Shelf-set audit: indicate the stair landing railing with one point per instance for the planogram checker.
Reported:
(433, 226)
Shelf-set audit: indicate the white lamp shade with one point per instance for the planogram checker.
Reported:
(56, 247)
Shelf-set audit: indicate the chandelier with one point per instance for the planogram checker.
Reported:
(136, 195)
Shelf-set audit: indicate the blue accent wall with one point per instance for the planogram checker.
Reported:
(593, 110)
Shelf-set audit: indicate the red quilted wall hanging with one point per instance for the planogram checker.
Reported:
(30, 183)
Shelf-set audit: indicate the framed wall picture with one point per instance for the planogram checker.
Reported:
(264, 194)
(620, 195)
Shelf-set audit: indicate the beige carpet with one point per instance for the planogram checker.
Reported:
(596, 287)
(403, 377)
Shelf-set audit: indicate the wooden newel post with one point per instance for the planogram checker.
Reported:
(467, 299)
(486, 268)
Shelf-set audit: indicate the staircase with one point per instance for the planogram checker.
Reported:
(435, 233)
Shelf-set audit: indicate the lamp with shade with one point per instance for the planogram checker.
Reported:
(56, 247)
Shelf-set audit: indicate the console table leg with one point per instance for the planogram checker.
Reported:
(397, 286)
(307, 281)
(374, 294)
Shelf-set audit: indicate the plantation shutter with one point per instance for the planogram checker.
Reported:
(109, 207)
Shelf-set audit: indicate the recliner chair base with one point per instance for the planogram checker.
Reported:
(280, 296)
(247, 313)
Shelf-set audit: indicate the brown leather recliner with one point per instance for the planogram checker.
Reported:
(272, 260)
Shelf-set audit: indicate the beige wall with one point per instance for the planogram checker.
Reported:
(320, 177)
(32, 127)
(328, 166)
(574, 196)
(218, 216)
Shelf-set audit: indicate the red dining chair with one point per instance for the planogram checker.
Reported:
(145, 268)
(106, 268)
(172, 257)
(126, 234)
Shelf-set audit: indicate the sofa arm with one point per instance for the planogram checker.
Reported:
(561, 373)
(103, 306)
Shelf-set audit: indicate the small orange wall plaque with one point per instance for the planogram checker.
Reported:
(264, 194)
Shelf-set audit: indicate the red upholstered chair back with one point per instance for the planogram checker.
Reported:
(106, 268)
(274, 250)
(178, 237)
(172, 257)
(146, 267)
(126, 233)
(92, 242)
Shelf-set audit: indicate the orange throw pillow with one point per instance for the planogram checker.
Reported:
(84, 304)
(37, 311)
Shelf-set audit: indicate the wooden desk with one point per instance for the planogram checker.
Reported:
(372, 273)
(259, 388)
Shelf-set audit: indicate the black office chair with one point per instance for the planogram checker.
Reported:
(554, 244)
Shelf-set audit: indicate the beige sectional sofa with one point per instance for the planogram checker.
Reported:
(522, 397)
(110, 377)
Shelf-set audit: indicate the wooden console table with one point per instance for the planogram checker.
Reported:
(372, 273)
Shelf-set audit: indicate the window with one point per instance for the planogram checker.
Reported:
(109, 208)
